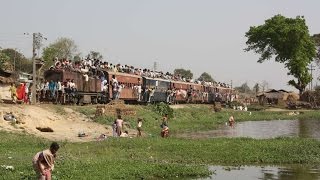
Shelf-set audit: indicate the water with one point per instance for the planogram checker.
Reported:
(263, 130)
(264, 173)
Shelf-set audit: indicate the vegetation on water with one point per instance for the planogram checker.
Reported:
(152, 157)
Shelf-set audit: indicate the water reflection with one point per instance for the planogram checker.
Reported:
(265, 173)
(264, 130)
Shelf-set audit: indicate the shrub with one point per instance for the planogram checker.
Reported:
(162, 109)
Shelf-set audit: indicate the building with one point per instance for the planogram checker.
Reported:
(276, 97)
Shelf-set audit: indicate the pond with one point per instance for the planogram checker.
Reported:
(263, 130)
(264, 173)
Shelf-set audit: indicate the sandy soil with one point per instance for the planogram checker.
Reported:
(66, 126)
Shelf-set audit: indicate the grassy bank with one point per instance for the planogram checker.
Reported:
(151, 158)
(194, 118)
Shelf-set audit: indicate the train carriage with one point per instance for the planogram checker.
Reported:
(159, 86)
(128, 82)
(91, 91)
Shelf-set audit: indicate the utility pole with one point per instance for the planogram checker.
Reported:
(36, 44)
(155, 66)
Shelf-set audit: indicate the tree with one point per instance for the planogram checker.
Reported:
(244, 88)
(316, 38)
(182, 72)
(289, 41)
(95, 55)
(61, 48)
(17, 61)
(4, 59)
(264, 85)
(256, 88)
(205, 77)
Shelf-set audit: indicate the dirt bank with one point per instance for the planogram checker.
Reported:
(65, 122)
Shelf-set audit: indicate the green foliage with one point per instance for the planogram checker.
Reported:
(256, 108)
(256, 88)
(205, 77)
(61, 48)
(183, 72)
(289, 41)
(151, 158)
(316, 38)
(13, 58)
(162, 109)
(95, 55)
(3, 60)
(244, 88)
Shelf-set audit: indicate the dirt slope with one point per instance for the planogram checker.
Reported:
(66, 125)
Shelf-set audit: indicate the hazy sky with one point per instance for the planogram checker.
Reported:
(200, 35)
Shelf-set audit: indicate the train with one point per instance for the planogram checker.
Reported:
(134, 89)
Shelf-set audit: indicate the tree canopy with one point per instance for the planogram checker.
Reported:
(205, 77)
(256, 88)
(182, 72)
(95, 55)
(4, 59)
(316, 38)
(15, 61)
(244, 88)
(289, 41)
(61, 48)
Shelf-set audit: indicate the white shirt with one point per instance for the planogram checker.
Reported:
(59, 88)
(86, 77)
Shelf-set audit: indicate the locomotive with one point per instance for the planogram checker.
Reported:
(134, 89)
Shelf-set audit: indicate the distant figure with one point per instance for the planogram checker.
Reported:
(231, 121)
(119, 123)
(114, 129)
(165, 132)
(13, 91)
(139, 127)
(43, 162)
(164, 121)
(124, 134)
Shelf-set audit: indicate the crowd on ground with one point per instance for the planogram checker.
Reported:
(95, 67)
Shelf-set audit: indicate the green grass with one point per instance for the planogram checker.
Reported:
(194, 118)
(151, 158)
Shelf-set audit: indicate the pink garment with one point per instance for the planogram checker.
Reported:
(119, 122)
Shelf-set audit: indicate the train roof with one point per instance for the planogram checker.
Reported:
(158, 79)
(123, 74)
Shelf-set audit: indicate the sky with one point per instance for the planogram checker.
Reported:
(200, 35)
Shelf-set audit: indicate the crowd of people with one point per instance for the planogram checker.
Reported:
(95, 67)
(21, 93)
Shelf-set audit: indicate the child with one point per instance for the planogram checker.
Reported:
(164, 121)
(231, 121)
(124, 134)
(43, 162)
(119, 123)
(165, 132)
(114, 129)
(139, 127)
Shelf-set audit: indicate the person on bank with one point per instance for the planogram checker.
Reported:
(231, 121)
(43, 162)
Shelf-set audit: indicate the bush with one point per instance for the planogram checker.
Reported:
(256, 108)
(162, 109)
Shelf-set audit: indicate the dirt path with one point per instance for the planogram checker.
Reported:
(66, 125)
